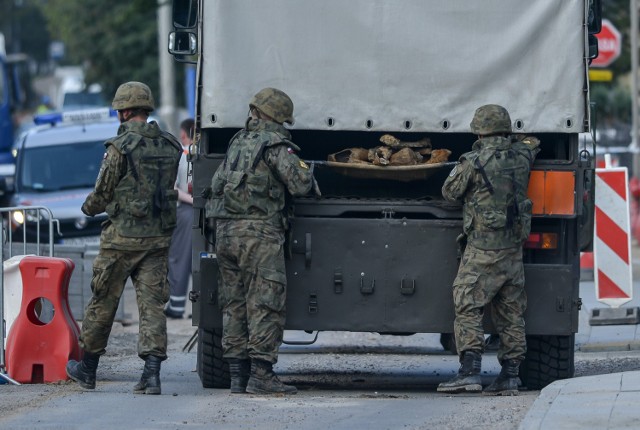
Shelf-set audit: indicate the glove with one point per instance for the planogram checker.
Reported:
(85, 209)
(316, 187)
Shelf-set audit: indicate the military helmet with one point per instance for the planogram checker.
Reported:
(133, 95)
(274, 103)
(491, 119)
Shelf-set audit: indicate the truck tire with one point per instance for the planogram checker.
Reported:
(448, 342)
(212, 368)
(548, 359)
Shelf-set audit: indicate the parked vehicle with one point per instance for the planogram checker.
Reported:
(56, 167)
(377, 251)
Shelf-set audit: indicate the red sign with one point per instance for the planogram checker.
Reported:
(609, 42)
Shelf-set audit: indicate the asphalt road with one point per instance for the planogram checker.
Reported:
(385, 382)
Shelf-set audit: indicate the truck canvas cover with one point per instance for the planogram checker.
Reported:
(393, 65)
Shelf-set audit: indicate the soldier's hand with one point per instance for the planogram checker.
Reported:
(316, 188)
(531, 141)
(85, 209)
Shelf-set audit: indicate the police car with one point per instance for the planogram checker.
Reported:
(56, 167)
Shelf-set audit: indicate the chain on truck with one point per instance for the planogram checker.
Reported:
(377, 251)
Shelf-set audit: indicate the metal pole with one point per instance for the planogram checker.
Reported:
(634, 87)
(168, 111)
(2, 323)
(3, 375)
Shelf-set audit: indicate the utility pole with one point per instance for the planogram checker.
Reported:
(167, 111)
(634, 87)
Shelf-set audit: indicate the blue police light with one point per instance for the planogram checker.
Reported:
(48, 118)
(78, 116)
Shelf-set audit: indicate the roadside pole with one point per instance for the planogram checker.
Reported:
(167, 109)
(634, 87)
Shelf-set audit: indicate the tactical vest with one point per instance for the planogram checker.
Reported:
(144, 203)
(244, 187)
(497, 213)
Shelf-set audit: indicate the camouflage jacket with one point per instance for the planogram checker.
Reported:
(135, 187)
(258, 172)
(492, 181)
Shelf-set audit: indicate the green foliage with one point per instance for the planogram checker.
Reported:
(611, 103)
(117, 40)
(617, 11)
(613, 100)
(24, 28)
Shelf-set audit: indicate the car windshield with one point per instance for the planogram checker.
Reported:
(83, 99)
(60, 167)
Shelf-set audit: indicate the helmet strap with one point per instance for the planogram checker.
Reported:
(263, 116)
(122, 116)
(133, 113)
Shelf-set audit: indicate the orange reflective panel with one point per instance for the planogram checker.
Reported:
(552, 193)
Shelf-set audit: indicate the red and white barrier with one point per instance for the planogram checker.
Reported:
(586, 261)
(612, 245)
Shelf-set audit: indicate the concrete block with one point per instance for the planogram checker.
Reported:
(586, 274)
(605, 347)
(614, 316)
(634, 345)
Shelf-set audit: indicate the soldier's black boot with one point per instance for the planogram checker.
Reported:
(150, 380)
(468, 377)
(84, 371)
(239, 370)
(263, 381)
(507, 382)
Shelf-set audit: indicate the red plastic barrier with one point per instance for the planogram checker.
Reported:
(634, 187)
(586, 260)
(634, 212)
(37, 351)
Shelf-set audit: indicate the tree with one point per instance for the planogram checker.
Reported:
(24, 28)
(617, 11)
(613, 99)
(116, 41)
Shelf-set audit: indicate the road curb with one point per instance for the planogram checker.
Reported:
(610, 346)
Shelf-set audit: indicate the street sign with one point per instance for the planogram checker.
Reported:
(609, 43)
(600, 75)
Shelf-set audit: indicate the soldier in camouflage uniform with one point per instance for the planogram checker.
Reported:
(248, 203)
(135, 189)
(491, 181)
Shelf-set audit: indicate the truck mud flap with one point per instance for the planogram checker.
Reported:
(208, 309)
(552, 299)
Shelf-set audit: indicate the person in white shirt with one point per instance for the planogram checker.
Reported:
(180, 249)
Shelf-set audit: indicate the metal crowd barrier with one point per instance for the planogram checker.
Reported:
(31, 217)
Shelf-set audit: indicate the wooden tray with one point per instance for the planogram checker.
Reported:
(394, 173)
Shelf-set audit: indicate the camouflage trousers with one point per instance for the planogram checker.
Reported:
(252, 296)
(495, 277)
(148, 271)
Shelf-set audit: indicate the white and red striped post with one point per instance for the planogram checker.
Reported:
(612, 245)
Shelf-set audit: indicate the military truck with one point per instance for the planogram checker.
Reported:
(377, 251)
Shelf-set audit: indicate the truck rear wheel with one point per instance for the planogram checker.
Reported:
(448, 342)
(212, 368)
(548, 359)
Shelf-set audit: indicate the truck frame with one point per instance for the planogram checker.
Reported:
(378, 253)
